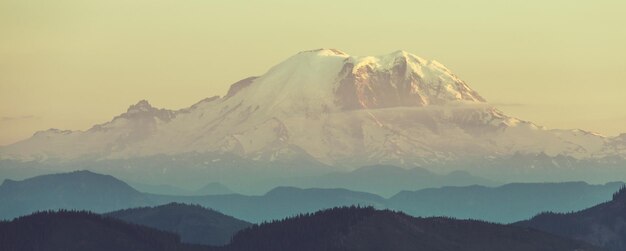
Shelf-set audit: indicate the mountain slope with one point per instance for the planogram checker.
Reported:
(76, 190)
(194, 224)
(367, 229)
(334, 108)
(602, 225)
(79, 231)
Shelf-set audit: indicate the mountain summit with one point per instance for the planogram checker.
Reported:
(328, 80)
(334, 108)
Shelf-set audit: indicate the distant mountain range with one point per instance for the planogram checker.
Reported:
(337, 229)
(321, 109)
(603, 225)
(156, 176)
(102, 193)
(193, 223)
(383, 180)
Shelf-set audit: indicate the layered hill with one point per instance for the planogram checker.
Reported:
(75, 190)
(194, 224)
(279, 202)
(332, 108)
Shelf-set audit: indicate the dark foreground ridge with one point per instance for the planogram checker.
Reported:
(365, 229)
(80, 230)
(602, 225)
(337, 229)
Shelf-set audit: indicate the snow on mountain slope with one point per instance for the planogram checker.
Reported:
(335, 108)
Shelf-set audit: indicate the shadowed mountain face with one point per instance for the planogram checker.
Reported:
(366, 229)
(80, 231)
(76, 190)
(194, 224)
(507, 203)
(602, 225)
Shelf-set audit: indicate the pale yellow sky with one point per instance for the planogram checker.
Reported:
(69, 64)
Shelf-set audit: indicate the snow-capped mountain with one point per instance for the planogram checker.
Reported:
(335, 108)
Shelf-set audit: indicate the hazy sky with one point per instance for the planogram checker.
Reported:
(69, 64)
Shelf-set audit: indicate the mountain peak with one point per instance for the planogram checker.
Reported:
(325, 52)
(323, 80)
(406, 55)
(143, 109)
(141, 106)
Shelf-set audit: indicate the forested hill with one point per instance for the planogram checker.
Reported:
(603, 225)
(80, 231)
(368, 229)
